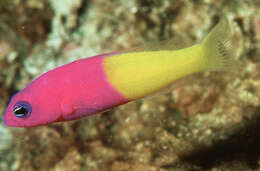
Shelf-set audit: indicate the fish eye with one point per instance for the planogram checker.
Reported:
(22, 109)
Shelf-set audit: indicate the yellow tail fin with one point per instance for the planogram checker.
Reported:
(218, 52)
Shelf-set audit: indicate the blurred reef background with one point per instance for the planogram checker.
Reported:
(208, 121)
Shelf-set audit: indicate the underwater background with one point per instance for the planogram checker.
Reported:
(207, 121)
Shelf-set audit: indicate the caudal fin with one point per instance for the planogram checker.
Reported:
(217, 47)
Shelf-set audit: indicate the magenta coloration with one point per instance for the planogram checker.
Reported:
(68, 92)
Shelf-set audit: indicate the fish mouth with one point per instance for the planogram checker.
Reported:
(13, 123)
(4, 118)
(3, 121)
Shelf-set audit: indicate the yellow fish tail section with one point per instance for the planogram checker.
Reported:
(138, 74)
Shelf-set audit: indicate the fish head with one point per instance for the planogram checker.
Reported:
(32, 106)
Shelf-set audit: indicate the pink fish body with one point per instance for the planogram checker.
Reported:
(68, 92)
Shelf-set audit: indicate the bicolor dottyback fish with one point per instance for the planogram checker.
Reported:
(92, 85)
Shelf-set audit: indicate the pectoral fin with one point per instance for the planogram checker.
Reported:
(66, 109)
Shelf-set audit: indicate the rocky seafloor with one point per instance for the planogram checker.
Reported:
(207, 121)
